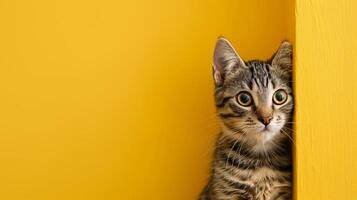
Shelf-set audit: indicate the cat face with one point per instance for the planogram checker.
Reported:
(254, 99)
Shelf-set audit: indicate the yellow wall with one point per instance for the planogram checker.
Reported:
(114, 99)
(326, 91)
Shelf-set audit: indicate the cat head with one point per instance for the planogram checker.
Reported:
(254, 98)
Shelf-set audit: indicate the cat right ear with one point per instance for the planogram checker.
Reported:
(225, 61)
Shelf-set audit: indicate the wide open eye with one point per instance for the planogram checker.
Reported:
(244, 98)
(280, 97)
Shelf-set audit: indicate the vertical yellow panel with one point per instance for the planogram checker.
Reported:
(326, 97)
(114, 99)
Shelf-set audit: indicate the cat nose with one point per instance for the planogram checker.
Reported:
(265, 120)
(265, 114)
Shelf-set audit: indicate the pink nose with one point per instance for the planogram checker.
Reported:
(265, 120)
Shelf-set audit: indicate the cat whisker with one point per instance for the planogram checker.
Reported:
(230, 151)
(290, 138)
(241, 146)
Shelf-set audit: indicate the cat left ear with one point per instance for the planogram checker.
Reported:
(225, 61)
(283, 58)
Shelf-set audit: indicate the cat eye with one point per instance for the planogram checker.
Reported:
(244, 99)
(280, 97)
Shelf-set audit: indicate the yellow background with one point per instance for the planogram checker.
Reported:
(114, 99)
(326, 91)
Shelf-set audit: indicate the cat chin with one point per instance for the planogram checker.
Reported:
(263, 141)
(255, 136)
(265, 135)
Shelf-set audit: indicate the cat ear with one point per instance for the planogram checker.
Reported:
(225, 60)
(283, 58)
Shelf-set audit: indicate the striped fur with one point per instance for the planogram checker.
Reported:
(252, 161)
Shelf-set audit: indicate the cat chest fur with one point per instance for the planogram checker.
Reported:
(259, 184)
(266, 183)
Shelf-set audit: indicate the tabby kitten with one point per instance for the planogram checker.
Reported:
(255, 104)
